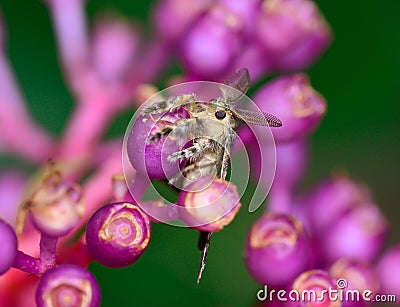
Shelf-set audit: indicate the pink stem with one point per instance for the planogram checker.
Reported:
(99, 103)
(37, 266)
(85, 129)
(48, 251)
(18, 132)
(27, 263)
(71, 31)
(98, 189)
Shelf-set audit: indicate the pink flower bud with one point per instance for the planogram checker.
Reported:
(208, 203)
(8, 243)
(295, 103)
(291, 162)
(254, 58)
(313, 289)
(151, 159)
(118, 234)
(210, 46)
(114, 47)
(358, 234)
(360, 276)
(293, 32)
(246, 10)
(277, 250)
(332, 199)
(173, 17)
(345, 221)
(56, 206)
(389, 271)
(68, 285)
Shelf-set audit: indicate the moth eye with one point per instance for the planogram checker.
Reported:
(220, 114)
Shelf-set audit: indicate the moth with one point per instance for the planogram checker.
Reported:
(211, 129)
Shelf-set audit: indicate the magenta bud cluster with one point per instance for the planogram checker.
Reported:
(68, 285)
(118, 234)
(265, 36)
(338, 228)
(293, 33)
(345, 220)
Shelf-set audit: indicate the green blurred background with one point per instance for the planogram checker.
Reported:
(359, 76)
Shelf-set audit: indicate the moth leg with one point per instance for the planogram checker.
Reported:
(171, 104)
(160, 133)
(192, 172)
(165, 130)
(193, 152)
(155, 107)
(185, 153)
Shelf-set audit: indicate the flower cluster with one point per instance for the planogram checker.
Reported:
(77, 207)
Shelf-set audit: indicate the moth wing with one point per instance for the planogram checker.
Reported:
(235, 86)
(257, 118)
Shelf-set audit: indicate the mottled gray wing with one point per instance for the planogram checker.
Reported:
(237, 86)
(257, 118)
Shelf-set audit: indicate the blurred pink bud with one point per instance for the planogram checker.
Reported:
(173, 17)
(291, 163)
(11, 191)
(389, 272)
(332, 199)
(56, 206)
(211, 45)
(247, 10)
(254, 58)
(208, 204)
(69, 21)
(17, 128)
(114, 47)
(293, 32)
(312, 288)
(295, 103)
(358, 234)
(360, 276)
(8, 243)
(277, 250)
